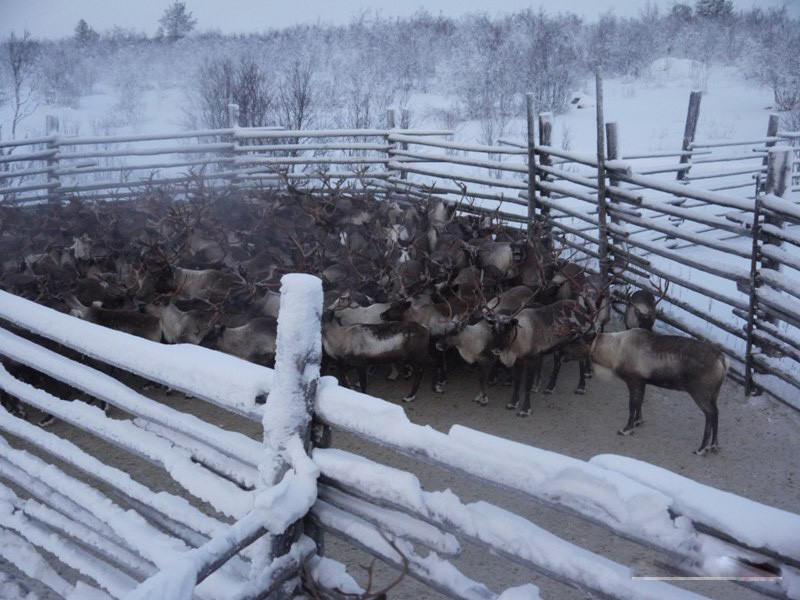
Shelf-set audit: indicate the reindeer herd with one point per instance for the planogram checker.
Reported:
(407, 283)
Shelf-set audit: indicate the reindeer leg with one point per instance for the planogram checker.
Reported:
(635, 399)
(441, 372)
(582, 374)
(419, 369)
(554, 375)
(516, 374)
(362, 378)
(483, 397)
(709, 408)
(588, 368)
(394, 372)
(530, 373)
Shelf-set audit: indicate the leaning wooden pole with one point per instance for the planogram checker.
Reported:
(689, 130)
(602, 229)
(753, 300)
(531, 114)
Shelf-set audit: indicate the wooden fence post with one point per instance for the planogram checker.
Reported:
(531, 165)
(545, 139)
(753, 300)
(233, 123)
(779, 166)
(689, 130)
(51, 129)
(391, 124)
(405, 123)
(290, 404)
(602, 230)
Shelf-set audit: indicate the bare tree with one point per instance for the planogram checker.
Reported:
(297, 95)
(220, 82)
(20, 54)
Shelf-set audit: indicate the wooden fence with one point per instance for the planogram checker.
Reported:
(686, 216)
(265, 505)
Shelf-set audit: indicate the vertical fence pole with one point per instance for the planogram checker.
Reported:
(612, 153)
(751, 309)
(689, 130)
(405, 123)
(531, 164)
(391, 125)
(602, 233)
(290, 404)
(233, 123)
(51, 129)
(779, 166)
(545, 139)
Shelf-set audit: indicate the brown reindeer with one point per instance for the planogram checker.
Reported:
(640, 357)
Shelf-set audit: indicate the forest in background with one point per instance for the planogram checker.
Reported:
(319, 76)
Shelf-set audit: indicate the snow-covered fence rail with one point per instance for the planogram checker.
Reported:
(135, 542)
(57, 166)
(130, 540)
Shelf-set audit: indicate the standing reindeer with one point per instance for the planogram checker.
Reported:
(640, 357)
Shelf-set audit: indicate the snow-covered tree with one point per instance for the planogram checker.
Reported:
(84, 34)
(714, 9)
(176, 23)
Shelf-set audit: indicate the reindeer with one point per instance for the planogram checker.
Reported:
(178, 326)
(521, 340)
(255, 341)
(640, 357)
(642, 306)
(472, 336)
(128, 321)
(360, 345)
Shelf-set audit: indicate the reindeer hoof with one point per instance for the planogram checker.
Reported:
(511, 406)
(625, 431)
(481, 399)
(547, 391)
(639, 422)
(524, 413)
(46, 421)
(439, 388)
(392, 376)
(409, 398)
(580, 392)
(700, 452)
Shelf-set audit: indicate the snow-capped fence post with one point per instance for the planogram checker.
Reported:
(689, 130)
(531, 164)
(53, 181)
(233, 124)
(602, 226)
(287, 414)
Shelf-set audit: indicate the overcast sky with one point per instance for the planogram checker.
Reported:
(57, 18)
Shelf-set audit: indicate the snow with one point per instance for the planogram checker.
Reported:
(596, 493)
(220, 493)
(223, 379)
(332, 575)
(764, 526)
(502, 532)
(27, 559)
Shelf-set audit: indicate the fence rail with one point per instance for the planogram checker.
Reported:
(144, 542)
(654, 218)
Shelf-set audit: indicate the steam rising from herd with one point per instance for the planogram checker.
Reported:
(408, 283)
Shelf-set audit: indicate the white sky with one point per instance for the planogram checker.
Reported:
(57, 18)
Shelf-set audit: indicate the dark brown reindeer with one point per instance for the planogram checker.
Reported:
(640, 357)
(255, 341)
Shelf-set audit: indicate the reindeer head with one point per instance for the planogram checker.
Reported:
(504, 331)
(396, 310)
